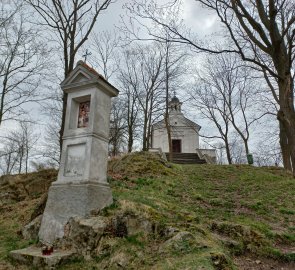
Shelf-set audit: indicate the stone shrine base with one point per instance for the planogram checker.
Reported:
(32, 256)
(66, 200)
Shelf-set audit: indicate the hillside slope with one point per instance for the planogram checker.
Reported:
(201, 216)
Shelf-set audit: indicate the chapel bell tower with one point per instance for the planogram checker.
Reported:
(175, 105)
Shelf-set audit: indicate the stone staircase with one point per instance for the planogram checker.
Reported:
(186, 158)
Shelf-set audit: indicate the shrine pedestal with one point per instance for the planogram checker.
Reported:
(70, 200)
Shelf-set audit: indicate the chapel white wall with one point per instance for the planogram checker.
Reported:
(188, 136)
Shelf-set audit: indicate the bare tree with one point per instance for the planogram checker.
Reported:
(22, 64)
(52, 110)
(267, 150)
(212, 106)
(18, 146)
(8, 156)
(150, 94)
(27, 141)
(105, 57)
(72, 23)
(243, 89)
(143, 80)
(172, 54)
(262, 34)
(130, 83)
(7, 11)
(233, 85)
(118, 127)
(174, 69)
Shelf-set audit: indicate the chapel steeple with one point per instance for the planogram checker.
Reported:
(175, 105)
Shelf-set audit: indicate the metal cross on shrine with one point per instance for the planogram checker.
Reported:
(87, 53)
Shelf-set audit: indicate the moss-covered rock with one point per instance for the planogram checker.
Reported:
(139, 164)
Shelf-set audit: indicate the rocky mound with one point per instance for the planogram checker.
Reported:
(15, 188)
(139, 164)
(165, 217)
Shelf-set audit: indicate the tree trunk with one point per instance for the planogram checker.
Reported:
(149, 129)
(286, 116)
(290, 132)
(288, 139)
(228, 155)
(144, 136)
(130, 123)
(69, 66)
(8, 163)
(167, 122)
(63, 118)
(168, 128)
(246, 149)
(2, 105)
(286, 155)
(21, 156)
(114, 152)
(293, 152)
(130, 140)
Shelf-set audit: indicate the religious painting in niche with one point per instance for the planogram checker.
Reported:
(83, 117)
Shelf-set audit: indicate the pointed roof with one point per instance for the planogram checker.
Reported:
(174, 105)
(185, 123)
(175, 99)
(83, 75)
(175, 111)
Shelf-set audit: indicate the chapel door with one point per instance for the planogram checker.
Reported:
(176, 146)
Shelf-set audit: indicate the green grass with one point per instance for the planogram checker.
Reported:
(9, 240)
(230, 210)
(257, 198)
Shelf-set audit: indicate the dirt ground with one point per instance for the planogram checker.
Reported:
(251, 263)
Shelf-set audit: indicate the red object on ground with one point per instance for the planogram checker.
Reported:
(47, 251)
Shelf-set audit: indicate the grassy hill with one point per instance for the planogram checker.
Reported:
(205, 216)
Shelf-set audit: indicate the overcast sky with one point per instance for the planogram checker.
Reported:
(200, 20)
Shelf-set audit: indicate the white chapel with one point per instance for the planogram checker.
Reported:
(184, 136)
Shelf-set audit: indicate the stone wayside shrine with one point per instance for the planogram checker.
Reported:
(81, 184)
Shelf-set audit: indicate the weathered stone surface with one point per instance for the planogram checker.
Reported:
(86, 235)
(219, 260)
(119, 261)
(83, 235)
(177, 241)
(39, 208)
(129, 224)
(30, 231)
(33, 256)
(97, 224)
(170, 231)
(70, 200)
(137, 225)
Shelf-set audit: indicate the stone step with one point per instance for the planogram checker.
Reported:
(186, 158)
(188, 162)
(185, 154)
(32, 256)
